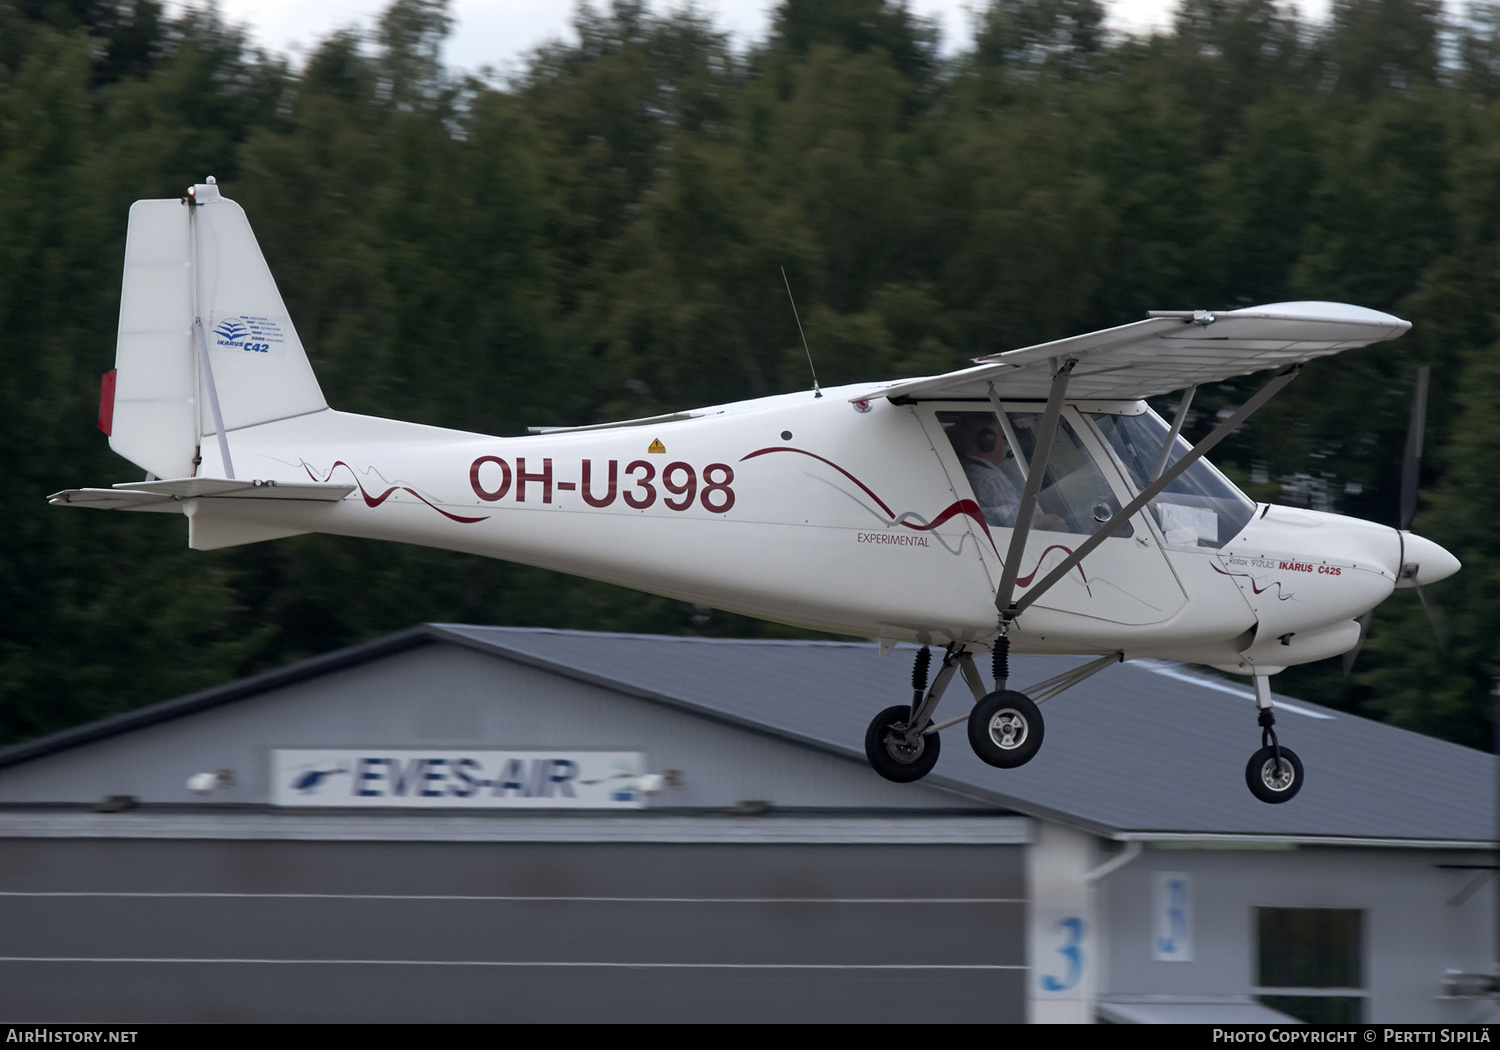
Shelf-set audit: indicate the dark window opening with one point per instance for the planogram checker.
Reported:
(1302, 949)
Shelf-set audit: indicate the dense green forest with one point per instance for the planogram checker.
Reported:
(601, 236)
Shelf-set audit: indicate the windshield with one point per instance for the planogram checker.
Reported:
(1200, 508)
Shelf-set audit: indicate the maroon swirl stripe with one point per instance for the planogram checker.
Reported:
(1258, 590)
(375, 501)
(963, 506)
(867, 490)
(1025, 581)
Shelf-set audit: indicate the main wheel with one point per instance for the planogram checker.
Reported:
(894, 760)
(1269, 783)
(1005, 729)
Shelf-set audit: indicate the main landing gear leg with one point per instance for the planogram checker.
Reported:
(1005, 727)
(902, 744)
(1275, 772)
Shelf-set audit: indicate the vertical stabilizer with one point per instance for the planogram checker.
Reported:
(204, 337)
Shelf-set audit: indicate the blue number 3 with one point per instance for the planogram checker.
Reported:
(1070, 951)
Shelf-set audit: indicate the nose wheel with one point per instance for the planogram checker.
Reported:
(1274, 773)
(1274, 778)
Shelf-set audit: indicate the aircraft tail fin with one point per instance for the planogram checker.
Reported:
(205, 343)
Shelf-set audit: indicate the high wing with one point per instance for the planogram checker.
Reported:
(1168, 351)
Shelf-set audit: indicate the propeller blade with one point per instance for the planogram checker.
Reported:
(1436, 618)
(1411, 463)
(1364, 631)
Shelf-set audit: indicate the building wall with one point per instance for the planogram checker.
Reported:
(157, 930)
(1415, 926)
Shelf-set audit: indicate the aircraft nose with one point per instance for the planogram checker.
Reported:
(1423, 562)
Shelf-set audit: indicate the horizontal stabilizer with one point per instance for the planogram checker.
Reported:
(115, 499)
(186, 488)
(168, 495)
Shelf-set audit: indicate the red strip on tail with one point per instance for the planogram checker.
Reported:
(107, 402)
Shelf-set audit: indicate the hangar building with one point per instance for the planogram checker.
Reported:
(460, 823)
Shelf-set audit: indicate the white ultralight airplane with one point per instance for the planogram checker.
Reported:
(1032, 500)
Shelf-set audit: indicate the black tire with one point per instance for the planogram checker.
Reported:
(1005, 729)
(1262, 779)
(895, 761)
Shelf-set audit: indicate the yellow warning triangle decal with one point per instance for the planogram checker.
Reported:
(657, 446)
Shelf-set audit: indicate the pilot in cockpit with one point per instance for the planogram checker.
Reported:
(993, 473)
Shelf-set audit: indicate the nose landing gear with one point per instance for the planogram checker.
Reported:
(1274, 773)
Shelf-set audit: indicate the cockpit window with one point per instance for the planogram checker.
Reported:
(1201, 508)
(1074, 496)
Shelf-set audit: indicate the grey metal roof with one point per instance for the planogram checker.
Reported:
(1144, 749)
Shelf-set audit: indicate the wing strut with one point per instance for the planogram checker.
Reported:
(1050, 418)
(1149, 493)
(1009, 431)
(1166, 446)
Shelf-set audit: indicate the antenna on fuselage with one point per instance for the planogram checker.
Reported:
(810, 368)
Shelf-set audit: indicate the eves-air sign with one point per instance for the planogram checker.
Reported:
(440, 779)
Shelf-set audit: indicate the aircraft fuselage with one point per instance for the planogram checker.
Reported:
(817, 512)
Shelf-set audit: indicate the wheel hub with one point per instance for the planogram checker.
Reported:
(896, 750)
(1008, 729)
(1277, 779)
(900, 748)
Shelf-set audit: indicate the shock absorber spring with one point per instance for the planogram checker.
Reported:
(919, 676)
(1000, 662)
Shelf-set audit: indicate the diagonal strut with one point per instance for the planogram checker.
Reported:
(1034, 477)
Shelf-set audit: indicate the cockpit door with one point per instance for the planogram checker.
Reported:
(1127, 581)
